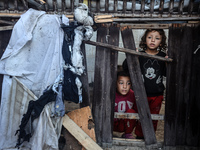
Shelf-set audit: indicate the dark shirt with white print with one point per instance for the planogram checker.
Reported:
(152, 71)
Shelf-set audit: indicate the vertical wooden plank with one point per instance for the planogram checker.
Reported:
(106, 6)
(113, 40)
(105, 85)
(161, 6)
(171, 6)
(97, 6)
(84, 80)
(183, 82)
(98, 99)
(191, 7)
(124, 6)
(178, 91)
(115, 6)
(142, 6)
(15, 5)
(4, 40)
(193, 124)
(133, 6)
(152, 6)
(180, 8)
(138, 88)
(63, 6)
(170, 104)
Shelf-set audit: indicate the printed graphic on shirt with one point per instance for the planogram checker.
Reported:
(130, 104)
(158, 80)
(150, 73)
(124, 105)
(151, 67)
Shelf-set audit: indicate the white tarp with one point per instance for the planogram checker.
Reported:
(34, 56)
(47, 129)
(34, 50)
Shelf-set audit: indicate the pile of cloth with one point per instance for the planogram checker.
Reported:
(41, 66)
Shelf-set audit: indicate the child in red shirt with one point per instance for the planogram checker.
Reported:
(124, 103)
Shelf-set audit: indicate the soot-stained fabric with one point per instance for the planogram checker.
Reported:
(34, 110)
(70, 89)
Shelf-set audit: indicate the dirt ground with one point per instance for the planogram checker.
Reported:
(160, 127)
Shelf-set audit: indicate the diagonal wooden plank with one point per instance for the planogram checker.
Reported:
(138, 88)
(79, 134)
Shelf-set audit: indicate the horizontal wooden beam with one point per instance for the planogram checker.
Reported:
(155, 19)
(4, 28)
(146, 26)
(12, 15)
(149, 15)
(137, 143)
(125, 50)
(136, 116)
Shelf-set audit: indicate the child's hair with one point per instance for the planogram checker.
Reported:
(162, 46)
(123, 73)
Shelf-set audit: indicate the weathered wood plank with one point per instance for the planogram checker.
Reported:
(79, 134)
(193, 124)
(180, 95)
(133, 143)
(104, 85)
(138, 88)
(142, 6)
(161, 7)
(84, 80)
(126, 50)
(124, 6)
(134, 19)
(136, 116)
(4, 40)
(83, 118)
(6, 28)
(171, 87)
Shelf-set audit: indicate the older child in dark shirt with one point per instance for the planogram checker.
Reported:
(153, 42)
(124, 103)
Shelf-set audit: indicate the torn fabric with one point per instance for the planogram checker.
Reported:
(34, 56)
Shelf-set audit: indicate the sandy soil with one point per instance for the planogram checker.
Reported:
(160, 127)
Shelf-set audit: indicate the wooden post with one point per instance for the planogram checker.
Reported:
(84, 80)
(183, 86)
(105, 85)
(4, 40)
(139, 90)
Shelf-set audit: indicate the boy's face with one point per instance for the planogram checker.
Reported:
(123, 85)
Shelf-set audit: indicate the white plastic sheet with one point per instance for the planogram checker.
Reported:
(34, 56)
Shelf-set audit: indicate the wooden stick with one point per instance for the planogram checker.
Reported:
(79, 134)
(146, 26)
(125, 50)
(155, 19)
(6, 22)
(103, 20)
(6, 28)
(103, 16)
(14, 15)
(136, 116)
(43, 2)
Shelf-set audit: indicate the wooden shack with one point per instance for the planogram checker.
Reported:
(114, 18)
